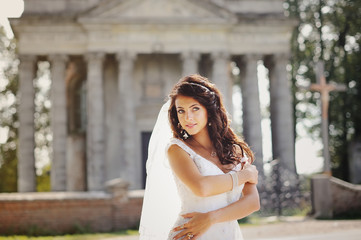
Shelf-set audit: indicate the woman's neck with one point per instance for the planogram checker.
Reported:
(203, 139)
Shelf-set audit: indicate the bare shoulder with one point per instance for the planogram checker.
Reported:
(179, 159)
(176, 152)
(174, 148)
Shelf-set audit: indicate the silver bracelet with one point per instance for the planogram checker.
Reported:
(234, 176)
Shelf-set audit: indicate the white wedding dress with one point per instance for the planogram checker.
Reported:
(192, 203)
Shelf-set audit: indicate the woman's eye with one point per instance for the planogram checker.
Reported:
(180, 111)
(195, 108)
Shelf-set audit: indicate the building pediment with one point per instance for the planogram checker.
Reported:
(157, 11)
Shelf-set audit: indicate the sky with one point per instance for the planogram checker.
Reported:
(307, 150)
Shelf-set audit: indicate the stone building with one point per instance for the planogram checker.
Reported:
(114, 61)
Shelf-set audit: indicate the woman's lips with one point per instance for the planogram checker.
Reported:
(191, 125)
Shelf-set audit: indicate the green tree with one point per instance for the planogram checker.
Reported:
(8, 115)
(331, 31)
(43, 133)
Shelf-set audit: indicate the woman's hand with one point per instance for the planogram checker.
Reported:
(198, 224)
(251, 173)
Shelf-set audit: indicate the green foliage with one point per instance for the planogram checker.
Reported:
(43, 133)
(43, 180)
(8, 114)
(330, 31)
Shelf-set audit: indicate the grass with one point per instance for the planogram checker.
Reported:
(85, 236)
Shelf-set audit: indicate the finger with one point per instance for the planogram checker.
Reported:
(181, 227)
(188, 215)
(181, 234)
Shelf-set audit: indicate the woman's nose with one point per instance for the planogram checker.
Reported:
(189, 116)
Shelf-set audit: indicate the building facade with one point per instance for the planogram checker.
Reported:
(113, 62)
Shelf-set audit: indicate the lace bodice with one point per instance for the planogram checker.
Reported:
(193, 203)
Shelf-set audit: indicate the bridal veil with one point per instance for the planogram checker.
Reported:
(161, 203)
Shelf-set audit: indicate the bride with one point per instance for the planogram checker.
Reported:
(200, 178)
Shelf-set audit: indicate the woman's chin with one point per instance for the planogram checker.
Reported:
(192, 132)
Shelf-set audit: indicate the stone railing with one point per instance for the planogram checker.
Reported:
(346, 196)
(69, 212)
(333, 197)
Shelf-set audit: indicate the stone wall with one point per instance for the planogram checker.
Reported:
(346, 197)
(333, 197)
(68, 212)
(354, 153)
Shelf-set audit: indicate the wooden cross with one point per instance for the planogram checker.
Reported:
(325, 90)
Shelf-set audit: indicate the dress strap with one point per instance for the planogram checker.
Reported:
(182, 145)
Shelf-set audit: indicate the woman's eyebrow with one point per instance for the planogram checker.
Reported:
(195, 104)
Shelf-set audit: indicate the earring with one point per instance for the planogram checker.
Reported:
(185, 134)
(209, 124)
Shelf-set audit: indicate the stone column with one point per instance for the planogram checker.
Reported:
(252, 130)
(95, 124)
(321, 196)
(190, 63)
(283, 146)
(58, 122)
(127, 116)
(26, 158)
(76, 163)
(220, 76)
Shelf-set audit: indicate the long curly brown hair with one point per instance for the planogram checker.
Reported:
(221, 134)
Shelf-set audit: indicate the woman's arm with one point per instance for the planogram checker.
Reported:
(199, 223)
(245, 206)
(204, 186)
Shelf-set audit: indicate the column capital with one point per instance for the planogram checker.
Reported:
(244, 60)
(94, 56)
(220, 55)
(252, 57)
(125, 55)
(190, 55)
(58, 57)
(27, 57)
(271, 60)
(285, 56)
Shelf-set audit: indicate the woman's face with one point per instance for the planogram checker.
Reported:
(192, 115)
